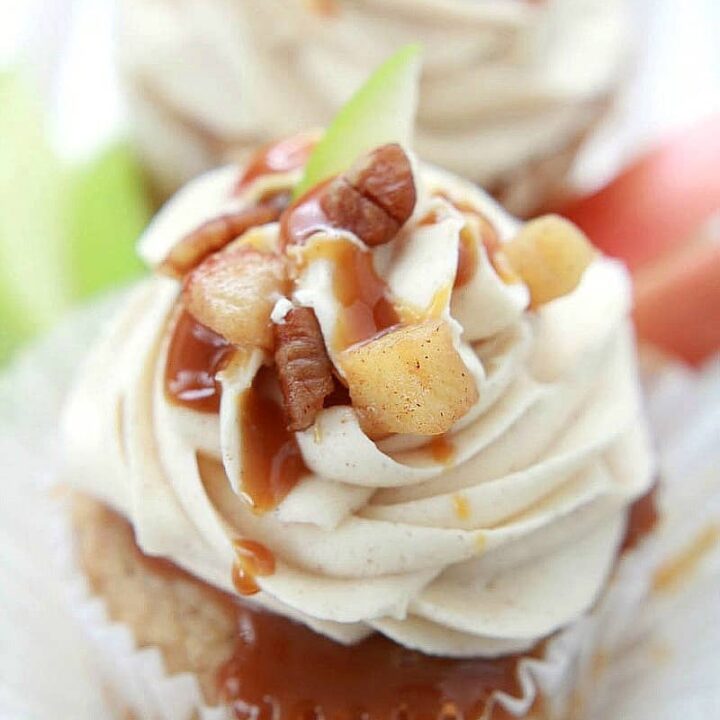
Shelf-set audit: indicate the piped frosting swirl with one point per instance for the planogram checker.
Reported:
(477, 541)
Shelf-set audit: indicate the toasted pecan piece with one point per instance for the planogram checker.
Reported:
(233, 293)
(303, 366)
(410, 379)
(345, 207)
(372, 200)
(384, 176)
(214, 235)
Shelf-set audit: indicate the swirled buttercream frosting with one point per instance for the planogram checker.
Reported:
(384, 406)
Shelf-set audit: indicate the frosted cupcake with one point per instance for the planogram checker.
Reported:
(364, 445)
(510, 88)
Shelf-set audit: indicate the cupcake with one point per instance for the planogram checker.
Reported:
(509, 92)
(364, 445)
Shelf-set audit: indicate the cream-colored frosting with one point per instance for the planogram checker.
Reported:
(485, 554)
(505, 82)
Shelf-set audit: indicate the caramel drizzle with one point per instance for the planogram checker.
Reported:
(468, 251)
(275, 158)
(442, 449)
(271, 458)
(195, 355)
(365, 306)
(272, 462)
(252, 560)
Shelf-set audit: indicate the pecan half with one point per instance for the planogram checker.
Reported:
(345, 207)
(214, 235)
(384, 176)
(373, 200)
(304, 368)
(233, 293)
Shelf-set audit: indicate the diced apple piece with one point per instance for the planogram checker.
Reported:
(550, 254)
(409, 380)
(233, 293)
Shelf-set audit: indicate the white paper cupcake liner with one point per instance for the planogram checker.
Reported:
(46, 605)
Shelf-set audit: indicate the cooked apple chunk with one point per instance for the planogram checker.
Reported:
(233, 293)
(550, 254)
(409, 380)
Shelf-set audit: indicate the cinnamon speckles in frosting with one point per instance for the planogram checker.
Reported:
(465, 500)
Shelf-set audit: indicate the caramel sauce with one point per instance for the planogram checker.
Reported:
(678, 570)
(304, 218)
(253, 560)
(195, 355)
(642, 519)
(280, 157)
(462, 509)
(468, 251)
(467, 258)
(442, 449)
(366, 309)
(279, 670)
(284, 671)
(271, 459)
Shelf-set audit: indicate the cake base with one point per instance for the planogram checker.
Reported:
(191, 623)
(196, 628)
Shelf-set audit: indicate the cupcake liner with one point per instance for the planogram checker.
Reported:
(135, 680)
(609, 657)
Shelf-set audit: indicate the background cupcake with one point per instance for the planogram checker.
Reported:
(509, 90)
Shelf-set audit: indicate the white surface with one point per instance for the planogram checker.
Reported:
(44, 669)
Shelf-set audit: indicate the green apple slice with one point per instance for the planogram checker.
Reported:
(381, 111)
(64, 232)
(107, 208)
(33, 273)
